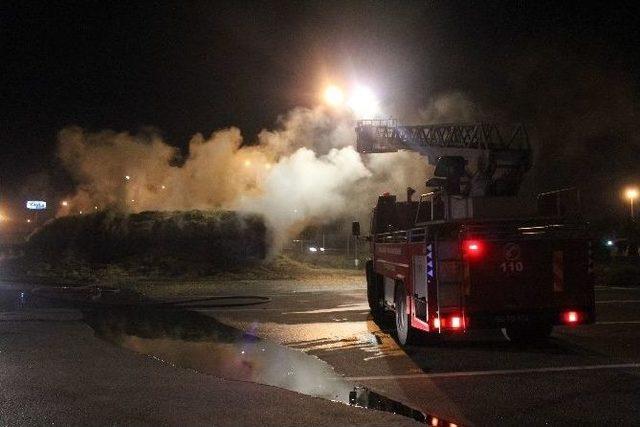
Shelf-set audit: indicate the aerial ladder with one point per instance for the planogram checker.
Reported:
(493, 158)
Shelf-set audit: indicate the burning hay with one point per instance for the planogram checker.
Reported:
(221, 240)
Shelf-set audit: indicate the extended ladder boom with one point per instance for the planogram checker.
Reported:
(494, 154)
(384, 136)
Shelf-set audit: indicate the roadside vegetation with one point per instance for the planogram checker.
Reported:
(162, 253)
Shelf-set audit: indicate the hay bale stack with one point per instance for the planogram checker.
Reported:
(221, 239)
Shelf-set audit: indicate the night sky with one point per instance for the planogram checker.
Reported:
(568, 70)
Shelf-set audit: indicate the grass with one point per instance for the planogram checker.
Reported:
(189, 279)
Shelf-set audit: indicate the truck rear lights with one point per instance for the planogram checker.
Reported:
(451, 322)
(571, 317)
(455, 322)
(473, 248)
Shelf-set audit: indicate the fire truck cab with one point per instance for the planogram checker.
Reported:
(471, 254)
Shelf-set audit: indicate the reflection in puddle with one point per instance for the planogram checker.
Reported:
(362, 396)
(191, 340)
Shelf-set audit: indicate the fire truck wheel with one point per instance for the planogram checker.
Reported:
(404, 331)
(523, 334)
(374, 291)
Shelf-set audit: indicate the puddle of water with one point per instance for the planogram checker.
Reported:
(198, 342)
(362, 396)
(191, 340)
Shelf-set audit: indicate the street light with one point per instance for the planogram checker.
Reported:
(333, 96)
(363, 102)
(631, 194)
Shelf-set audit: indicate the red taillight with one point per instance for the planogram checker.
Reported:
(571, 317)
(452, 322)
(473, 248)
(456, 322)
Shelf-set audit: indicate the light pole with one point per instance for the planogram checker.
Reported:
(631, 194)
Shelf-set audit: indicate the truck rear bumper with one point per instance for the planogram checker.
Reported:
(492, 320)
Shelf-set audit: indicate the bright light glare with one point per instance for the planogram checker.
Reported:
(127, 177)
(631, 193)
(313, 249)
(473, 247)
(64, 203)
(571, 317)
(321, 249)
(363, 102)
(456, 322)
(333, 96)
(609, 242)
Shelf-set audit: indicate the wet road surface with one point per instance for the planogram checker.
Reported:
(583, 375)
(168, 332)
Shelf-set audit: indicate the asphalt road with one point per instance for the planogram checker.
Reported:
(583, 376)
(56, 369)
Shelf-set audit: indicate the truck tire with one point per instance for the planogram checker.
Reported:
(374, 291)
(523, 334)
(405, 333)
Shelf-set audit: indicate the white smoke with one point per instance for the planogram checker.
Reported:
(449, 108)
(305, 172)
(306, 188)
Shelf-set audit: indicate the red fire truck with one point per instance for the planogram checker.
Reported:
(470, 253)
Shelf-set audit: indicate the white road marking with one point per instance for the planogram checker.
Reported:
(496, 372)
(222, 309)
(619, 322)
(617, 288)
(619, 301)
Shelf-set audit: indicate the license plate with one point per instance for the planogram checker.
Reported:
(511, 318)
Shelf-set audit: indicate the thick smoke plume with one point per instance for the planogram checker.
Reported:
(304, 172)
(449, 108)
